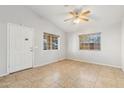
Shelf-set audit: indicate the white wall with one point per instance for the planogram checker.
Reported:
(110, 53)
(122, 44)
(3, 48)
(23, 15)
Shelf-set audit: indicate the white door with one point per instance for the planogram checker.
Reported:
(21, 45)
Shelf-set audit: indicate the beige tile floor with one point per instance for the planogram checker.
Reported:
(66, 74)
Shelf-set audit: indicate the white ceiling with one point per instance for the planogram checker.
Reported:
(101, 16)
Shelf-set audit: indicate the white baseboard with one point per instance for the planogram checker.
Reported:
(94, 63)
(4, 74)
(48, 63)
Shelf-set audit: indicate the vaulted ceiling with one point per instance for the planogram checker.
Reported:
(101, 15)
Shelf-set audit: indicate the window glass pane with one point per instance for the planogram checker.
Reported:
(50, 41)
(90, 41)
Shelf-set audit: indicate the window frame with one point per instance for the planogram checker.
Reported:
(52, 41)
(93, 46)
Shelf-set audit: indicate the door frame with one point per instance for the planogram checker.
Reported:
(8, 47)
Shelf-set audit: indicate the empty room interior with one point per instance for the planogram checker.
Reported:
(71, 46)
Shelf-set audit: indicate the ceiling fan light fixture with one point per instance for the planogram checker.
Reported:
(76, 21)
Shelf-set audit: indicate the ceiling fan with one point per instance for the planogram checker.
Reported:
(78, 15)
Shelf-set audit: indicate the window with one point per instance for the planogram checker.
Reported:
(90, 41)
(50, 41)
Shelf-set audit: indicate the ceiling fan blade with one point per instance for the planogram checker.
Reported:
(73, 13)
(85, 13)
(84, 19)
